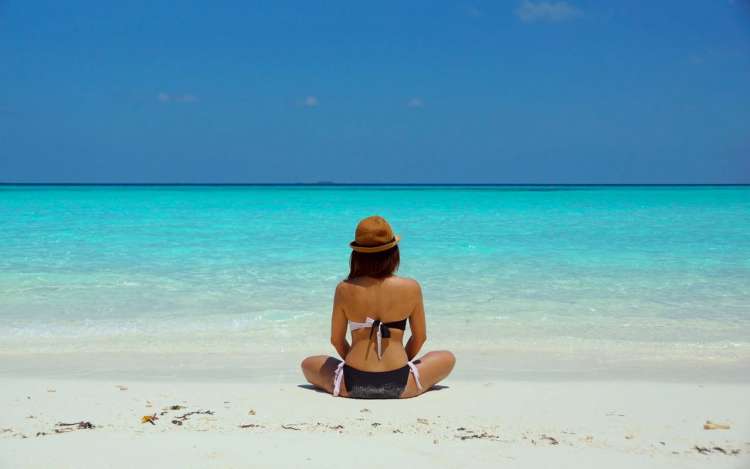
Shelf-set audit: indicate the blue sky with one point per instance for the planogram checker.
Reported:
(419, 91)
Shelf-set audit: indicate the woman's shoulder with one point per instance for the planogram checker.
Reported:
(343, 287)
(405, 283)
(394, 281)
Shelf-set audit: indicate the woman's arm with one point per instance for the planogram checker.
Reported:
(339, 324)
(418, 327)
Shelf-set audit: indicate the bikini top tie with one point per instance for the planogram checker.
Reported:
(379, 328)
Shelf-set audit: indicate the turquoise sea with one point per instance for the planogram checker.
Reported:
(660, 269)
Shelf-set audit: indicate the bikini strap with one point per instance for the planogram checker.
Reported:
(380, 330)
(337, 376)
(415, 372)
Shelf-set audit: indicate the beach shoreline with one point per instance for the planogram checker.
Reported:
(498, 364)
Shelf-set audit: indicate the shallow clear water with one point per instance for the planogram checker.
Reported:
(173, 268)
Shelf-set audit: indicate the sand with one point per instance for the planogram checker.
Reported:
(467, 423)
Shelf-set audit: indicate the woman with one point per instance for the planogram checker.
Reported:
(376, 304)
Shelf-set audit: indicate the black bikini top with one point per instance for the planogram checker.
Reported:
(379, 329)
(393, 325)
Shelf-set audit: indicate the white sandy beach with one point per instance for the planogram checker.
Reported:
(524, 424)
(197, 196)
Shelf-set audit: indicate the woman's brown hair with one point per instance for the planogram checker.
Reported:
(377, 264)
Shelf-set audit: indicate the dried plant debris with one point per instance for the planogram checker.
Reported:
(69, 427)
(472, 435)
(121, 387)
(290, 426)
(552, 440)
(82, 425)
(709, 425)
(186, 416)
(251, 412)
(170, 408)
(716, 449)
(251, 425)
(423, 421)
(479, 436)
(63, 427)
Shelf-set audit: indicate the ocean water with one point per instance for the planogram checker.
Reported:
(213, 269)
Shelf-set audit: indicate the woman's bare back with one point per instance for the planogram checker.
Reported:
(389, 300)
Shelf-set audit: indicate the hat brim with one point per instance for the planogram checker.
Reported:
(371, 249)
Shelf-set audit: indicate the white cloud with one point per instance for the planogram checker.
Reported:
(531, 12)
(310, 101)
(415, 103)
(179, 98)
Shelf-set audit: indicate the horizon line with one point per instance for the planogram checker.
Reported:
(331, 183)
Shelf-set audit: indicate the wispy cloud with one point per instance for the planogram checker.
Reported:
(552, 12)
(473, 11)
(415, 103)
(696, 59)
(186, 98)
(310, 101)
(163, 97)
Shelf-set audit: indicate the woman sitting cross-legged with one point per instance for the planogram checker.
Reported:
(376, 304)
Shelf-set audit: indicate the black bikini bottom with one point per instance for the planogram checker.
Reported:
(375, 384)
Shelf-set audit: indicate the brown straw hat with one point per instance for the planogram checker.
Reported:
(374, 234)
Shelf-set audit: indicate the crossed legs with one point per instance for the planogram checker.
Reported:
(433, 367)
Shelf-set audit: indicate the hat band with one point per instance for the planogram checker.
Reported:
(371, 249)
